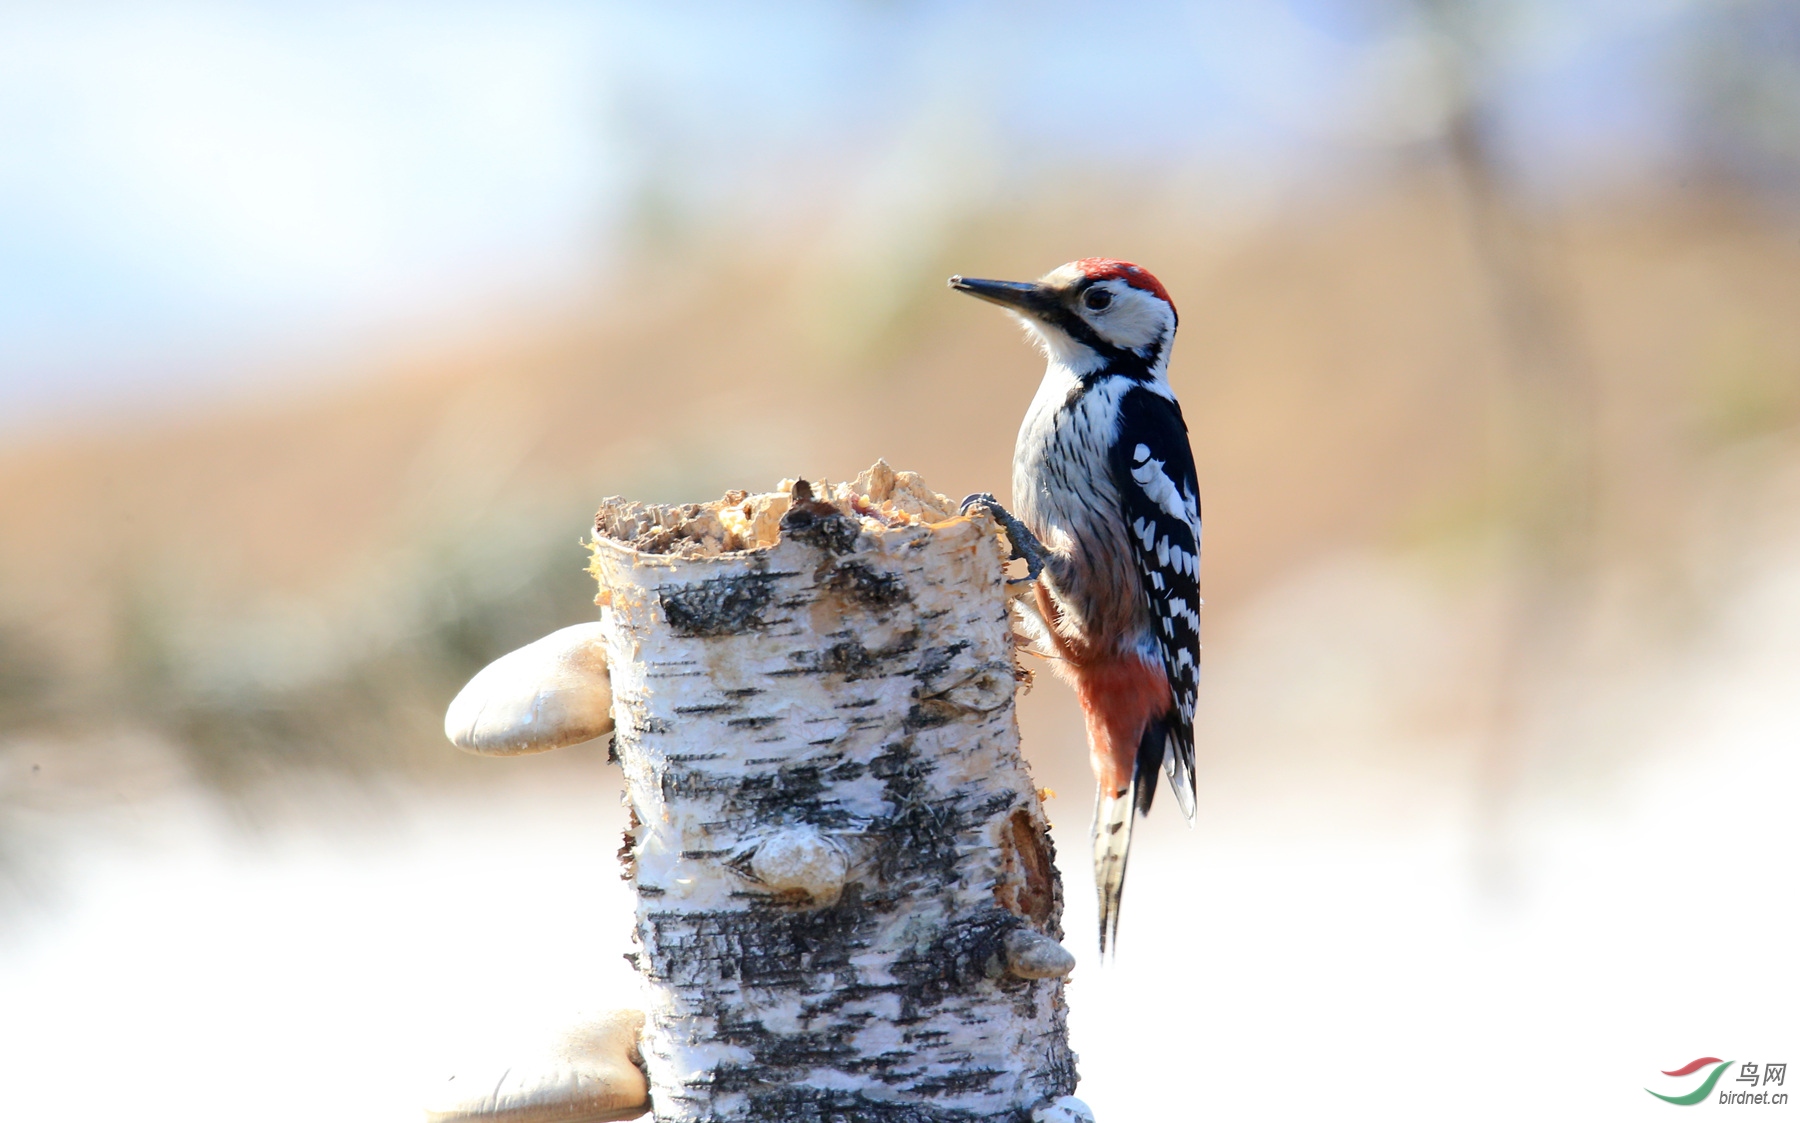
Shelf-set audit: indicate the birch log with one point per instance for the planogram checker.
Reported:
(847, 904)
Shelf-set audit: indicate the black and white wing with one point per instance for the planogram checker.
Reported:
(1153, 469)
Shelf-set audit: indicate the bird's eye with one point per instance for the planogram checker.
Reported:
(1096, 299)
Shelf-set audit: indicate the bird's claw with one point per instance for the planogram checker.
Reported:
(1024, 543)
(986, 501)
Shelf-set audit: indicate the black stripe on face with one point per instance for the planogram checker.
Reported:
(1119, 360)
(1057, 308)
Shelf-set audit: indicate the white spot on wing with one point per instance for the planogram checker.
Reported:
(1162, 491)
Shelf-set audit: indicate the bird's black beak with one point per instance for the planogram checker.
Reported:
(1020, 296)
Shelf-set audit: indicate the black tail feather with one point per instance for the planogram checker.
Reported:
(1151, 748)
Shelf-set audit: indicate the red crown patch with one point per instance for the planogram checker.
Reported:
(1106, 269)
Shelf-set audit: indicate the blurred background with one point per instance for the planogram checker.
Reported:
(324, 329)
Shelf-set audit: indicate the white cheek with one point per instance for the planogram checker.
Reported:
(1058, 347)
(1135, 320)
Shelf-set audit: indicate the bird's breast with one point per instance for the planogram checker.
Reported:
(1064, 491)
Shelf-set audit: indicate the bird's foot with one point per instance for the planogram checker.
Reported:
(1024, 543)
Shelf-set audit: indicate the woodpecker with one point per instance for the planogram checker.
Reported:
(1108, 520)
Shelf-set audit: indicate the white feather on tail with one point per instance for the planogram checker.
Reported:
(1181, 776)
(1113, 816)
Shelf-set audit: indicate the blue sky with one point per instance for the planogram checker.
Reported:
(188, 189)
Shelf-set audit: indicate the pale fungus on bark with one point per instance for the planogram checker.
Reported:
(847, 907)
(546, 695)
(1030, 955)
(592, 1075)
(1068, 1109)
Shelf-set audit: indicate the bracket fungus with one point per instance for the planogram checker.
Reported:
(1067, 1109)
(546, 695)
(592, 1075)
(1032, 955)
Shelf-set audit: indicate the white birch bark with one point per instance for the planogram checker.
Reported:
(847, 906)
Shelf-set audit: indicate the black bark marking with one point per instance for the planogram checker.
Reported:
(867, 587)
(790, 794)
(758, 947)
(718, 606)
(787, 951)
(818, 524)
(918, 841)
(854, 662)
(752, 722)
(936, 660)
(930, 713)
(851, 659)
(965, 955)
(798, 1104)
(628, 847)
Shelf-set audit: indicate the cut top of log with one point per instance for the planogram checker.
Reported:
(879, 500)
